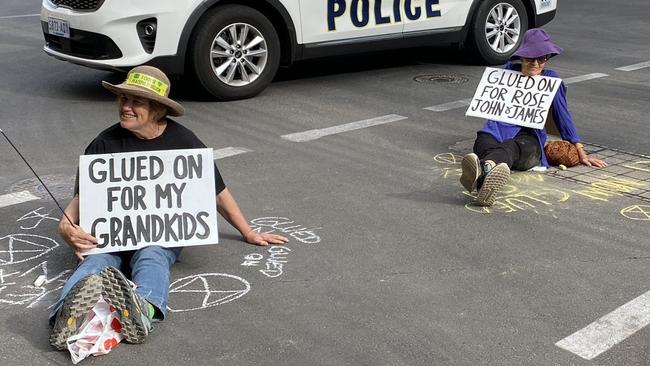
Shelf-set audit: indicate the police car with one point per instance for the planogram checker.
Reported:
(234, 47)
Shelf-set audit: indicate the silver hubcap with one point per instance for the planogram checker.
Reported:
(238, 54)
(503, 28)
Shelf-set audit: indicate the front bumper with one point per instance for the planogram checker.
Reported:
(107, 38)
(82, 45)
(544, 18)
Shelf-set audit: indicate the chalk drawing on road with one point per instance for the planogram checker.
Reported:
(23, 291)
(628, 175)
(515, 199)
(284, 225)
(637, 212)
(642, 165)
(19, 248)
(448, 158)
(202, 291)
(38, 216)
(274, 265)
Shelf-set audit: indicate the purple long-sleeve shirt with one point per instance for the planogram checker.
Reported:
(563, 121)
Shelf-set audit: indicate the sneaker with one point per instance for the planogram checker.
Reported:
(133, 310)
(494, 181)
(471, 172)
(78, 302)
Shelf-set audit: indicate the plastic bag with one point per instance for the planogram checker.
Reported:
(98, 334)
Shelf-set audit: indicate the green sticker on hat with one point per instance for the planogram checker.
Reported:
(148, 82)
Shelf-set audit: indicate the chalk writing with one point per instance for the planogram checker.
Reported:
(36, 215)
(252, 260)
(607, 187)
(202, 291)
(274, 264)
(284, 225)
(512, 199)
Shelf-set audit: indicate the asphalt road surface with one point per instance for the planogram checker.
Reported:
(388, 262)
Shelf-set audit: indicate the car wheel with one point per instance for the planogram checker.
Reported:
(497, 29)
(235, 52)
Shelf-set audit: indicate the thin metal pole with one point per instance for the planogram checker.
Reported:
(39, 178)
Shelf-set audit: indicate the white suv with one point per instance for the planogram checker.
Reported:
(234, 47)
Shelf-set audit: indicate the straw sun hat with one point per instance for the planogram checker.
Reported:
(148, 82)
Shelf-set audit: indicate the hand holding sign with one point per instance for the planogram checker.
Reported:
(512, 97)
(79, 240)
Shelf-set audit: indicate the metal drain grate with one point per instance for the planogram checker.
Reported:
(628, 170)
(441, 79)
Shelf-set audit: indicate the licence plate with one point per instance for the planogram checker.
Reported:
(58, 27)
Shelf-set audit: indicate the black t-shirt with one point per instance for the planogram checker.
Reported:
(116, 139)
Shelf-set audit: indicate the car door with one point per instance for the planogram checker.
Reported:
(433, 15)
(336, 20)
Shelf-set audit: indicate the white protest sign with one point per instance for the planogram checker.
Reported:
(132, 200)
(512, 97)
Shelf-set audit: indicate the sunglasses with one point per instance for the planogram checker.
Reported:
(540, 60)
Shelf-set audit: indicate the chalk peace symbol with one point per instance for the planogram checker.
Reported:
(637, 212)
(202, 291)
(19, 248)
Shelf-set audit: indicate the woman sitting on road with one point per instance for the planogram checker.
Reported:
(500, 147)
(143, 106)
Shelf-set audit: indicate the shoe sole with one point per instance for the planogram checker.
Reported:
(471, 172)
(80, 300)
(117, 291)
(494, 181)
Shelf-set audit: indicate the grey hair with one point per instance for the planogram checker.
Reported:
(158, 110)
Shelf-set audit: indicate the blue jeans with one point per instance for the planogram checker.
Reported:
(148, 268)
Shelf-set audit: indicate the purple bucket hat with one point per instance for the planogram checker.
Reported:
(536, 43)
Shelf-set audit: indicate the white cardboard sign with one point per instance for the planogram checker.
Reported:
(132, 200)
(512, 97)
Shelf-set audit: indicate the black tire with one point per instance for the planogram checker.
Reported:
(479, 42)
(201, 62)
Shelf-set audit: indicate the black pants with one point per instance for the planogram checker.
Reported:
(520, 153)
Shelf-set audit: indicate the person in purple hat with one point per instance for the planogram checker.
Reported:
(501, 147)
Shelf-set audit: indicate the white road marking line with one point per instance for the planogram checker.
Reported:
(16, 198)
(229, 151)
(609, 330)
(638, 66)
(318, 133)
(577, 79)
(465, 102)
(19, 16)
(449, 106)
